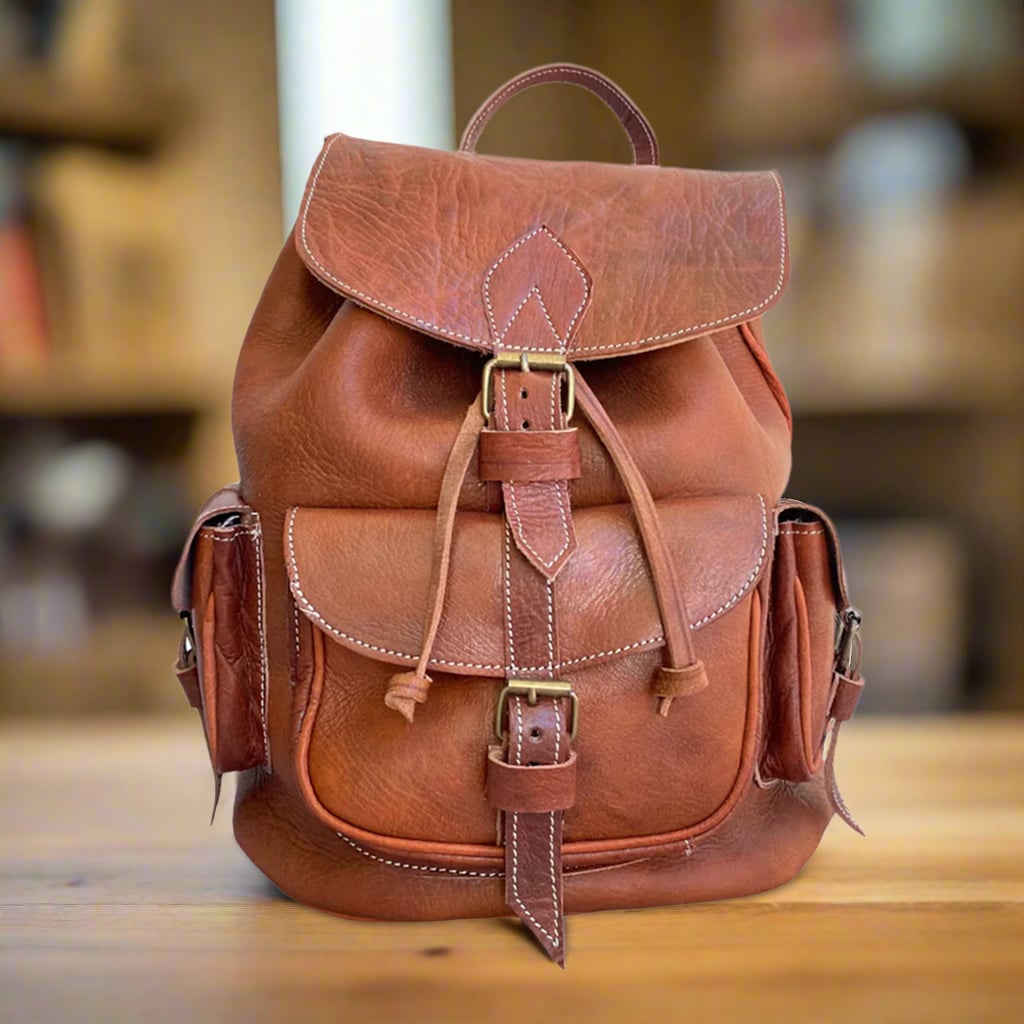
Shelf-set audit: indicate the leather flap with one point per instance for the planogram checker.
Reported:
(361, 576)
(594, 259)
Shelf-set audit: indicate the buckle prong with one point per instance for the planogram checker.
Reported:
(553, 362)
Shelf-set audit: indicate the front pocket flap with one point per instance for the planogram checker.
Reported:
(362, 577)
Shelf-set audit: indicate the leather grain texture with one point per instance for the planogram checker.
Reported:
(671, 253)
(397, 555)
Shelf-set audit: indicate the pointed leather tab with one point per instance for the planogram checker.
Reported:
(541, 522)
(831, 785)
(533, 880)
(538, 735)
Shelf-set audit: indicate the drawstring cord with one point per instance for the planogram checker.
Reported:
(681, 673)
(407, 689)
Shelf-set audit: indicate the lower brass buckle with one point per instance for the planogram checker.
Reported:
(554, 362)
(533, 690)
(848, 623)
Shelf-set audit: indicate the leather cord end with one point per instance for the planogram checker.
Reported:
(670, 683)
(405, 691)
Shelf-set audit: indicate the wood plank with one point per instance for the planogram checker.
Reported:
(118, 902)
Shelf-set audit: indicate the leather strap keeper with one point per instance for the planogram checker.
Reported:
(844, 700)
(534, 789)
(529, 455)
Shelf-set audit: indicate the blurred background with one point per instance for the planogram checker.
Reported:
(152, 155)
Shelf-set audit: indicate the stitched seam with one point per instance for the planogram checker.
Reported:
(298, 646)
(508, 601)
(419, 867)
(514, 508)
(482, 118)
(551, 629)
(601, 654)
(258, 538)
(799, 533)
(504, 400)
(513, 502)
(445, 332)
(536, 289)
(218, 539)
(310, 610)
(256, 534)
(534, 292)
(743, 314)
(515, 837)
(551, 829)
(750, 579)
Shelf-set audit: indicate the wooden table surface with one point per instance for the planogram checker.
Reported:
(118, 903)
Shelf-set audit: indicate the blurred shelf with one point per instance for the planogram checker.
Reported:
(128, 111)
(124, 666)
(755, 123)
(68, 387)
(912, 407)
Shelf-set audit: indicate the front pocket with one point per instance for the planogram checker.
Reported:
(807, 593)
(360, 578)
(219, 591)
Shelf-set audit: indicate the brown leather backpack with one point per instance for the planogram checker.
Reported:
(507, 611)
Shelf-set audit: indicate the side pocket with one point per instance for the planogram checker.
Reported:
(218, 591)
(808, 609)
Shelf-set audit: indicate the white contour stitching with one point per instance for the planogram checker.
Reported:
(256, 534)
(514, 503)
(750, 579)
(562, 342)
(209, 533)
(514, 497)
(515, 836)
(534, 291)
(419, 867)
(298, 643)
(551, 829)
(410, 318)
(258, 538)
(551, 626)
(310, 610)
(508, 601)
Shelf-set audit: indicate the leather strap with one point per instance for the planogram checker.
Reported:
(683, 673)
(831, 785)
(407, 689)
(535, 788)
(638, 128)
(846, 691)
(539, 538)
(186, 667)
(845, 696)
(529, 455)
(538, 735)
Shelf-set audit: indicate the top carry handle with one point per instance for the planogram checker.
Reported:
(638, 128)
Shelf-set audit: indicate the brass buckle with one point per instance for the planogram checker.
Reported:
(554, 362)
(533, 690)
(848, 623)
(187, 648)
